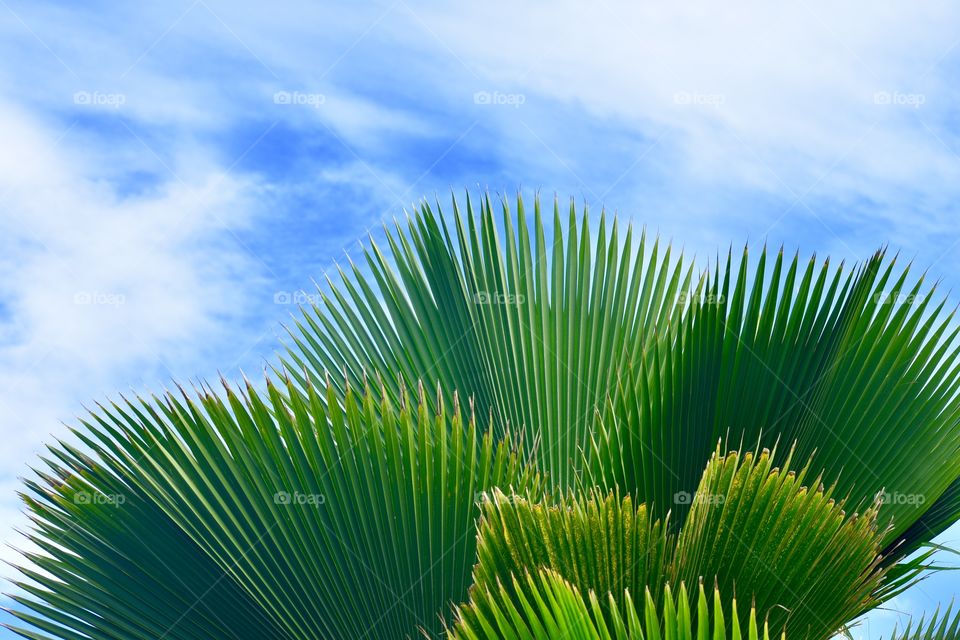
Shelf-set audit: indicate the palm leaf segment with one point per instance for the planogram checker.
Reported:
(541, 332)
(111, 564)
(535, 329)
(858, 364)
(859, 367)
(544, 606)
(945, 626)
(807, 566)
(337, 517)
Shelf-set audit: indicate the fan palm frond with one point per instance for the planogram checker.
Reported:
(598, 542)
(807, 566)
(858, 366)
(940, 626)
(111, 564)
(536, 329)
(339, 517)
(544, 606)
(782, 538)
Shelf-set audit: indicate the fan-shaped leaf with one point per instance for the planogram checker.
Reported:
(599, 543)
(807, 565)
(341, 518)
(544, 606)
(110, 564)
(535, 329)
(859, 366)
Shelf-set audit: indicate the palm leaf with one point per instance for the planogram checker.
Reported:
(599, 543)
(534, 329)
(338, 517)
(544, 606)
(945, 626)
(807, 565)
(111, 564)
(858, 366)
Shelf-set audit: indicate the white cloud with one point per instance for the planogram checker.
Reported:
(846, 100)
(101, 291)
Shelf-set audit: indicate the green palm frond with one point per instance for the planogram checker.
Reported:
(945, 626)
(944, 512)
(859, 366)
(544, 606)
(752, 528)
(599, 543)
(111, 564)
(338, 517)
(535, 329)
(597, 360)
(808, 565)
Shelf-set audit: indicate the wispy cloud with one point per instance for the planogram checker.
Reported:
(103, 291)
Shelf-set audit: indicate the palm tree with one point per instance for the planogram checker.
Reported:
(605, 431)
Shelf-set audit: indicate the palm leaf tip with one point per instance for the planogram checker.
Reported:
(536, 328)
(543, 605)
(599, 541)
(940, 626)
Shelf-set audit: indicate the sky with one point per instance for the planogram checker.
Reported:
(173, 174)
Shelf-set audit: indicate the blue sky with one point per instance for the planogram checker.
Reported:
(168, 168)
